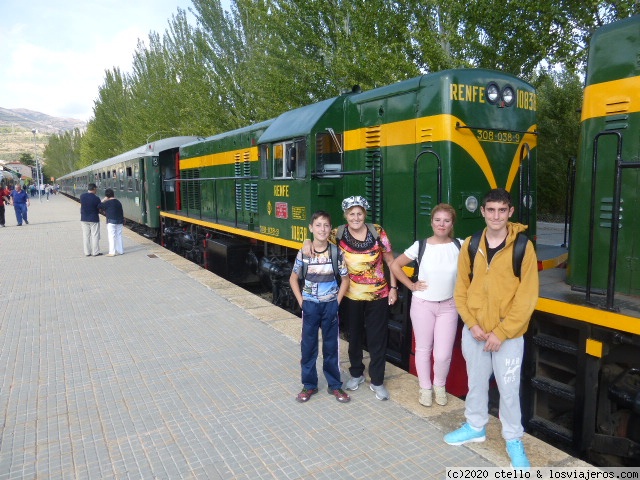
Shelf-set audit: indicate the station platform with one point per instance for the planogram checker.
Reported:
(147, 366)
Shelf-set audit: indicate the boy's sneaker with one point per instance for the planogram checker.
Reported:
(515, 449)
(381, 391)
(354, 383)
(340, 394)
(465, 434)
(305, 394)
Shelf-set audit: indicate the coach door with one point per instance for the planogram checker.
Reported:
(140, 190)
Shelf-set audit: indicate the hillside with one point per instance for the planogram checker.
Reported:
(16, 127)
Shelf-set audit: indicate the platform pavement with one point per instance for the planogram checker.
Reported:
(147, 366)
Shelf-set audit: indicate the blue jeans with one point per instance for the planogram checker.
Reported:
(323, 316)
(21, 212)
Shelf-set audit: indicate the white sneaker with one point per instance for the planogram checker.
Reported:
(381, 391)
(354, 383)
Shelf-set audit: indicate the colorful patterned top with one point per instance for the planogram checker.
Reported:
(320, 283)
(365, 264)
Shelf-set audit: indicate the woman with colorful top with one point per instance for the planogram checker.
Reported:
(433, 312)
(365, 247)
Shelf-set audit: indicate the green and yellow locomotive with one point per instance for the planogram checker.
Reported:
(450, 136)
(584, 342)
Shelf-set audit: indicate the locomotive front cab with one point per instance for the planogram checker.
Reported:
(302, 167)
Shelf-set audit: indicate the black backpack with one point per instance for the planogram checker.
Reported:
(422, 245)
(519, 248)
(333, 252)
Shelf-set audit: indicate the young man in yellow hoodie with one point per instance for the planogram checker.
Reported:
(496, 306)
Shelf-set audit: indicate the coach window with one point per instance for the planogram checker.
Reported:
(328, 152)
(121, 177)
(136, 176)
(130, 179)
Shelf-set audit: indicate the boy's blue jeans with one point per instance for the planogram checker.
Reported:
(320, 316)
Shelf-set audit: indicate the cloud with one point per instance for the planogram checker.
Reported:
(53, 60)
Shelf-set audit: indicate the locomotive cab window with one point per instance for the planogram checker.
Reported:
(329, 152)
(290, 159)
(264, 161)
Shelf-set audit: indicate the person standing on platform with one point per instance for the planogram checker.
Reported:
(433, 312)
(90, 221)
(4, 199)
(319, 300)
(496, 305)
(115, 221)
(20, 202)
(365, 308)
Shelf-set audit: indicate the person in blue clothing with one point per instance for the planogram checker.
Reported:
(20, 202)
(115, 221)
(319, 300)
(90, 221)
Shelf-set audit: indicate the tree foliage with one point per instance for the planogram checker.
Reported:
(62, 153)
(104, 137)
(229, 69)
(560, 99)
(27, 159)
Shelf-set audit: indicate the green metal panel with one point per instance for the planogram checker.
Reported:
(609, 113)
(613, 51)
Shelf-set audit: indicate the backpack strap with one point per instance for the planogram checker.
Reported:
(305, 267)
(333, 251)
(456, 242)
(340, 233)
(472, 249)
(519, 248)
(422, 245)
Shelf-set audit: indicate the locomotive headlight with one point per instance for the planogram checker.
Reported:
(492, 93)
(471, 203)
(508, 95)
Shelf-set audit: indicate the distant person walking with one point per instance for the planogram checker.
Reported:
(20, 202)
(4, 198)
(115, 221)
(90, 221)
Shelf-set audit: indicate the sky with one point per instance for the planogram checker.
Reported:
(54, 53)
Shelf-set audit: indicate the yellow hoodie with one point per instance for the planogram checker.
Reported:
(496, 299)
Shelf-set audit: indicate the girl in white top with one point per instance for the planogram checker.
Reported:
(433, 313)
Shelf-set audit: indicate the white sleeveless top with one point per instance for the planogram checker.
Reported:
(438, 267)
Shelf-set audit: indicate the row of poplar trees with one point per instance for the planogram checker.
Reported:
(213, 70)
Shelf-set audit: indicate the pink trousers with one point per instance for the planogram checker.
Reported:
(434, 329)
